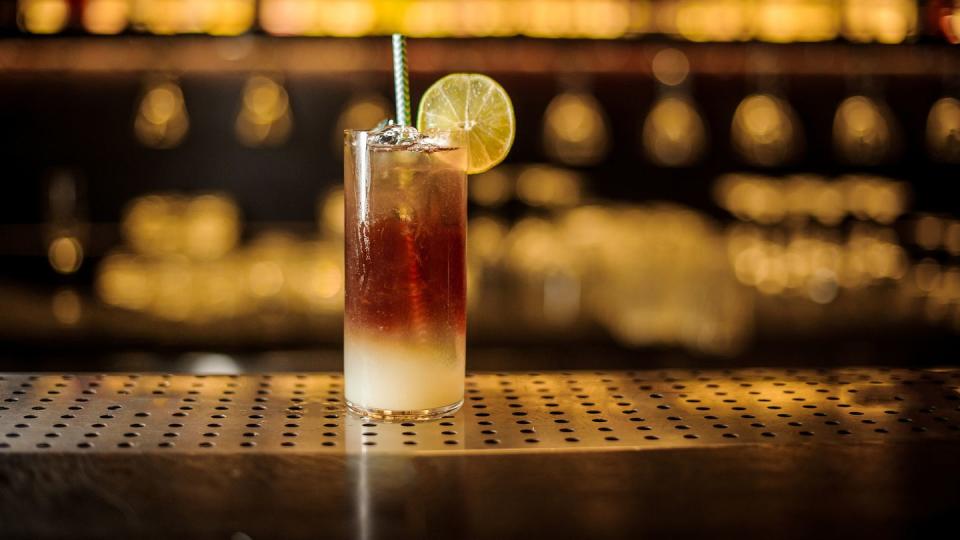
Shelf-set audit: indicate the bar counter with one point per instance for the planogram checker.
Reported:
(575, 454)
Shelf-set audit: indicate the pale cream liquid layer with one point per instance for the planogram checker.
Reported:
(402, 375)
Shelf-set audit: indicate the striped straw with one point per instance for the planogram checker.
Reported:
(401, 83)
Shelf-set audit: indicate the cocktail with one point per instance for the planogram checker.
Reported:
(405, 232)
(405, 325)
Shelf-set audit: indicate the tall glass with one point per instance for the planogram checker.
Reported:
(404, 320)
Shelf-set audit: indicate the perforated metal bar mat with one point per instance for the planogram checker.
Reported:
(503, 412)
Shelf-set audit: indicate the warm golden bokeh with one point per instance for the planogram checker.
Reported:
(766, 130)
(182, 262)
(106, 16)
(575, 129)
(43, 16)
(574, 236)
(491, 188)
(674, 134)
(214, 17)
(883, 21)
(65, 254)
(767, 200)
(863, 132)
(162, 121)
(943, 130)
(265, 119)
(363, 111)
(775, 21)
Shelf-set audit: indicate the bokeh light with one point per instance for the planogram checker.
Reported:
(66, 305)
(943, 130)
(767, 200)
(674, 134)
(710, 20)
(787, 21)
(330, 212)
(106, 16)
(575, 129)
(546, 186)
(362, 112)
(43, 16)
(162, 121)
(65, 254)
(491, 188)
(214, 17)
(670, 67)
(863, 132)
(883, 21)
(265, 119)
(766, 130)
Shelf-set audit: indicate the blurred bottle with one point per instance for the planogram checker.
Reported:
(943, 130)
(66, 226)
(766, 130)
(865, 131)
(265, 118)
(674, 134)
(575, 129)
(67, 234)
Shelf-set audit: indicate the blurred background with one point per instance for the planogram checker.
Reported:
(693, 183)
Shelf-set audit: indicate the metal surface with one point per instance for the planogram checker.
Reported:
(503, 412)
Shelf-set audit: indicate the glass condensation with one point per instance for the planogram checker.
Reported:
(404, 320)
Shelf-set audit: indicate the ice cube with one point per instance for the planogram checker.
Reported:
(395, 135)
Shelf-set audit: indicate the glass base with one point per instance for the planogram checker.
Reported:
(388, 415)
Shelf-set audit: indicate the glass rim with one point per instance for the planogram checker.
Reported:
(431, 131)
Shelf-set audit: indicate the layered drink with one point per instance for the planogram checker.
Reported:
(405, 228)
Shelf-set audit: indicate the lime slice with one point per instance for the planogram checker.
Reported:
(480, 107)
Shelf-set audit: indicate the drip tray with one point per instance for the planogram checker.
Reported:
(502, 412)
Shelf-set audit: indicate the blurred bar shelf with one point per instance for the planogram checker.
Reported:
(335, 57)
(607, 454)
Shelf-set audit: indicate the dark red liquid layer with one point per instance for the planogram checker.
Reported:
(406, 276)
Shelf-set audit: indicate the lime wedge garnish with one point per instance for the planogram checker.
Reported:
(477, 105)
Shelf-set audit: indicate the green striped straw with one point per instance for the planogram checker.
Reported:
(401, 81)
(401, 90)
